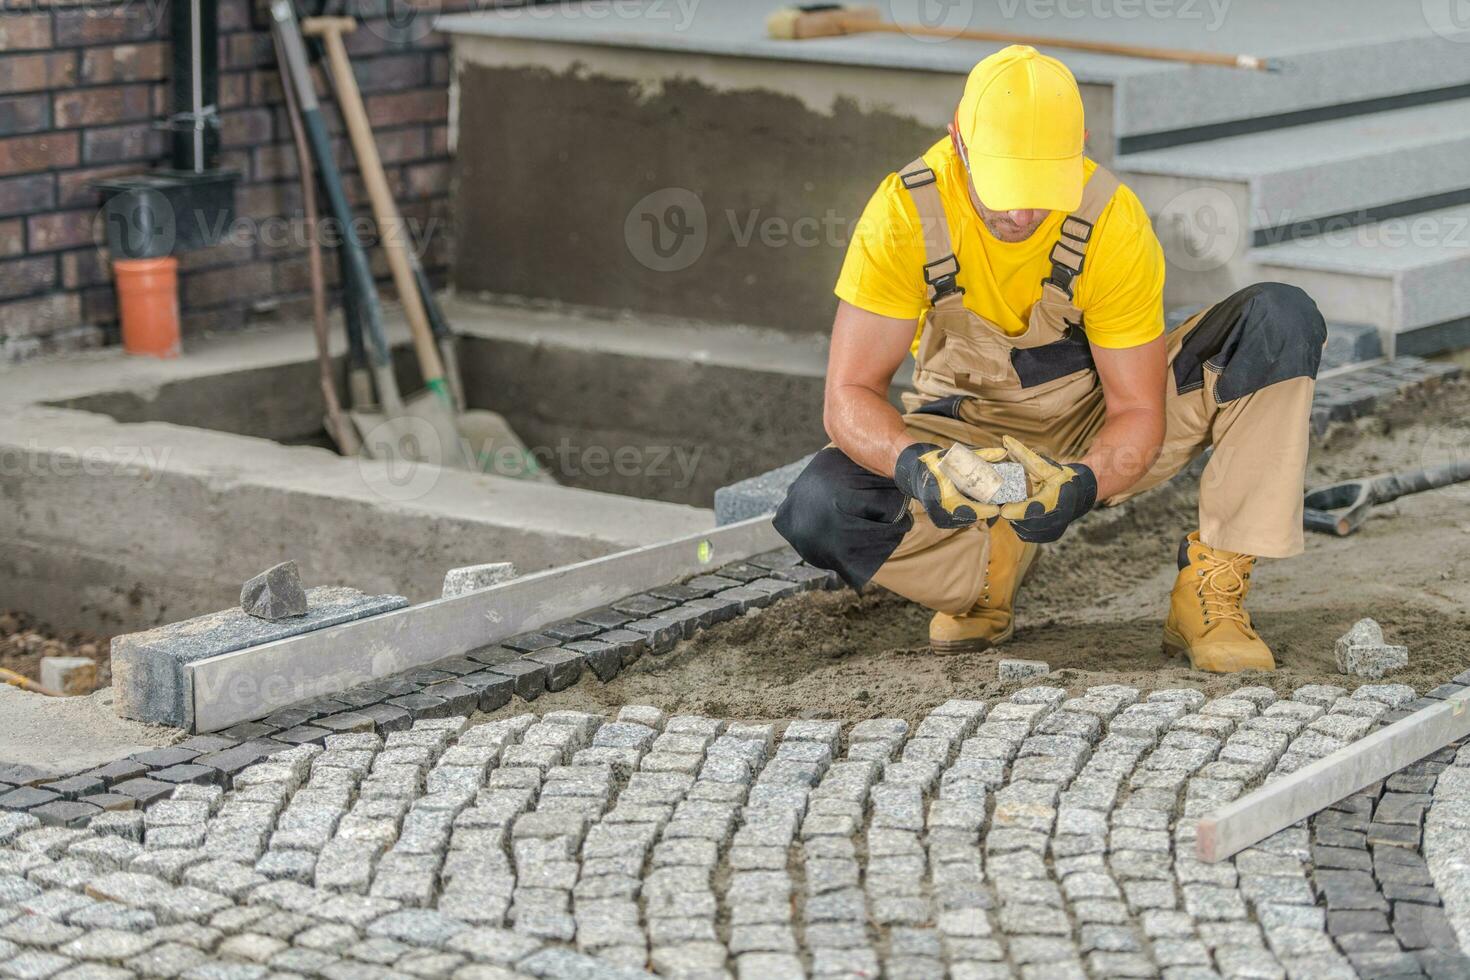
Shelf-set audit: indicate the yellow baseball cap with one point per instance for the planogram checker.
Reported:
(1021, 122)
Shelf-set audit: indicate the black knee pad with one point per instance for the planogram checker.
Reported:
(842, 517)
(1289, 314)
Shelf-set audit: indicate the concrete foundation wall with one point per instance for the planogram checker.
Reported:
(118, 527)
(717, 188)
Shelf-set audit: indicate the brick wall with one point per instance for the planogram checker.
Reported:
(81, 90)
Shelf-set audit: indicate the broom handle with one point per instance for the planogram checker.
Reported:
(1099, 47)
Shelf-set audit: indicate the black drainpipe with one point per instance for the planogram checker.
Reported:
(189, 205)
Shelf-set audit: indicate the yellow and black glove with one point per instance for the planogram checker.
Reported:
(1061, 493)
(918, 475)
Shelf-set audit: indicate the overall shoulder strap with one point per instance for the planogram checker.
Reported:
(1070, 250)
(940, 265)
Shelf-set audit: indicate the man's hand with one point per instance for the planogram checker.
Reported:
(1060, 494)
(918, 475)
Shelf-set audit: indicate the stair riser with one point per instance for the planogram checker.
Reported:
(1342, 296)
(1304, 202)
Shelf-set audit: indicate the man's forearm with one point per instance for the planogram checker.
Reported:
(866, 427)
(1124, 450)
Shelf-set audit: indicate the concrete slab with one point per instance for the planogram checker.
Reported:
(1340, 52)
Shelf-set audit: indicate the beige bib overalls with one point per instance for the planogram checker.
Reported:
(1241, 379)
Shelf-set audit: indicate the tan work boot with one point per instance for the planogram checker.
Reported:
(1207, 618)
(991, 622)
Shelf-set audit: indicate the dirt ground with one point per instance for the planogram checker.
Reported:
(1094, 604)
(24, 641)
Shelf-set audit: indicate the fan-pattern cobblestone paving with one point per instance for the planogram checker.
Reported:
(1042, 836)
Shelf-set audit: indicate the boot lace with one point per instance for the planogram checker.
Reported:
(1222, 587)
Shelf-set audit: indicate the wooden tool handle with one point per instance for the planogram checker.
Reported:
(391, 230)
(322, 26)
(863, 25)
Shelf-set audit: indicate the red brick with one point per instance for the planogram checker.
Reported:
(40, 315)
(234, 89)
(274, 162)
(391, 73)
(439, 141)
(125, 63)
(427, 105)
(21, 32)
(99, 305)
(257, 202)
(37, 72)
(401, 145)
(245, 127)
(24, 114)
(113, 144)
(439, 68)
(26, 154)
(228, 252)
(84, 267)
(25, 277)
(228, 285)
(427, 179)
(74, 187)
(250, 50)
(12, 237)
(265, 88)
(119, 23)
(104, 106)
(60, 229)
(234, 15)
(27, 195)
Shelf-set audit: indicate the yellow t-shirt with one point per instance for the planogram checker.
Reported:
(1120, 290)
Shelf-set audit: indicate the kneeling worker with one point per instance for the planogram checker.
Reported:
(1035, 284)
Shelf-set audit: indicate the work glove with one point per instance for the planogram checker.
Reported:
(1060, 494)
(918, 475)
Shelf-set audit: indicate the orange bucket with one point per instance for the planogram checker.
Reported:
(148, 305)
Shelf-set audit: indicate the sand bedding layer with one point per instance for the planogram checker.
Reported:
(1095, 602)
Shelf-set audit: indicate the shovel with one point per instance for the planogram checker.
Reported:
(437, 435)
(1340, 508)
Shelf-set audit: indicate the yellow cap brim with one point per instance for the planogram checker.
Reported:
(1010, 184)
